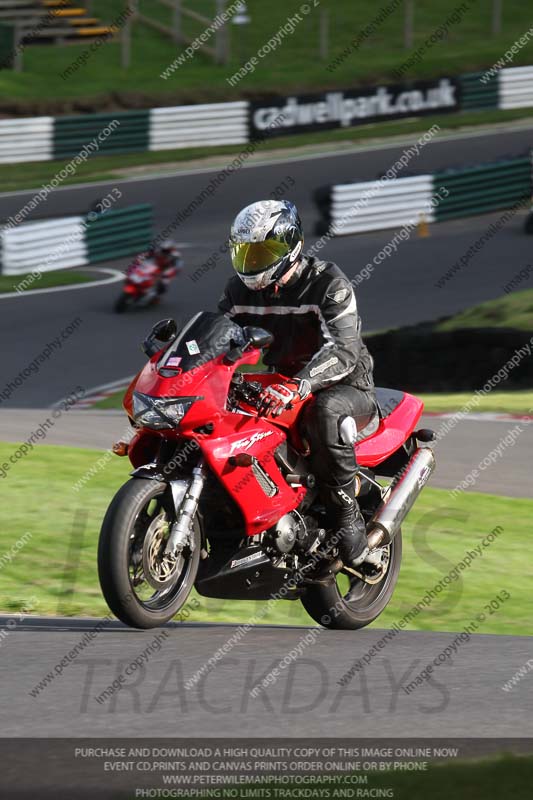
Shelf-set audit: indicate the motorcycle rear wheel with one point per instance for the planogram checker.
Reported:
(347, 602)
(142, 588)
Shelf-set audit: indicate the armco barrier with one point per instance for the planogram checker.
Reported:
(26, 140)
(463, 192)
(75, 241)
(125, 132)
(516, 87)
(119, 233)
(477, 95)
(206, 125)
(476, 190)
(380, 204)
(196, 126)
(53, 244)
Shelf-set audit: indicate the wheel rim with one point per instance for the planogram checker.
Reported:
(357, 594)
(155, 579)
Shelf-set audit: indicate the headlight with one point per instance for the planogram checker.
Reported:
(160, 413)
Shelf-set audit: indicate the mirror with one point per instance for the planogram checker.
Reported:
(258, 337)
(164, 330)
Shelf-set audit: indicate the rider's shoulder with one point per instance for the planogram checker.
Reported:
(325, 270)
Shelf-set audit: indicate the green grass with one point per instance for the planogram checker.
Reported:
(513, 310)
(519, 402)
(295, 65)
(16, 177)
(39, 499)
(114, 401)
(8, 283)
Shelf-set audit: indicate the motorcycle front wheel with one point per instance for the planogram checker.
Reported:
(347, 602)
(143, 587)
(121, 304)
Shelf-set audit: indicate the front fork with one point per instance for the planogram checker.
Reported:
(186, 506)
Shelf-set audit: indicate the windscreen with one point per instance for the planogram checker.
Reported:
(204, 337)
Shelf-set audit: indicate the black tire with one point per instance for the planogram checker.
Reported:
(121, 304)
(122, 541)
(528, 224)
(328, 605)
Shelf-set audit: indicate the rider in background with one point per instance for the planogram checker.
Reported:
(309, 306)
(169, 260)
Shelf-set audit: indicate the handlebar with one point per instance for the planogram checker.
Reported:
(249, 391)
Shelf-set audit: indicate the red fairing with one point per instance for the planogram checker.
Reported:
(393, 431)
(232, 434)
(258, 438)
(259, 489)
(140, 276)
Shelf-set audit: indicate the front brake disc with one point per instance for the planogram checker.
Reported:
(160, 568)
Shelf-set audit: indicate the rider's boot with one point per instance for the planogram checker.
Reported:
(346, 523)
(349, 527)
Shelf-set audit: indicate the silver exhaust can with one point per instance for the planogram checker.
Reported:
(389, 516)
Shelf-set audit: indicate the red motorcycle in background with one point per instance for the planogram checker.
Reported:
(146, 280)
(223, 500)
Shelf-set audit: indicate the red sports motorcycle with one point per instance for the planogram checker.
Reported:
(140, 287)
(223, 500)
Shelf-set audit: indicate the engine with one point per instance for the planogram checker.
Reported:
(293, 532)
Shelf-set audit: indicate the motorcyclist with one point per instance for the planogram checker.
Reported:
(169, 260)
(310, 307)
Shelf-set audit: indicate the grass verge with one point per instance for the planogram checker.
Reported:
(57, 565)
(514, 310)
(519, 402)
(48, 280)
(462, 45)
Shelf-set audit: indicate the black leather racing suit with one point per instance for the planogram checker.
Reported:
(317, 338)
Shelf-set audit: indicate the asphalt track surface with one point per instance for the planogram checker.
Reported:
(463, 697)
(401, 290)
